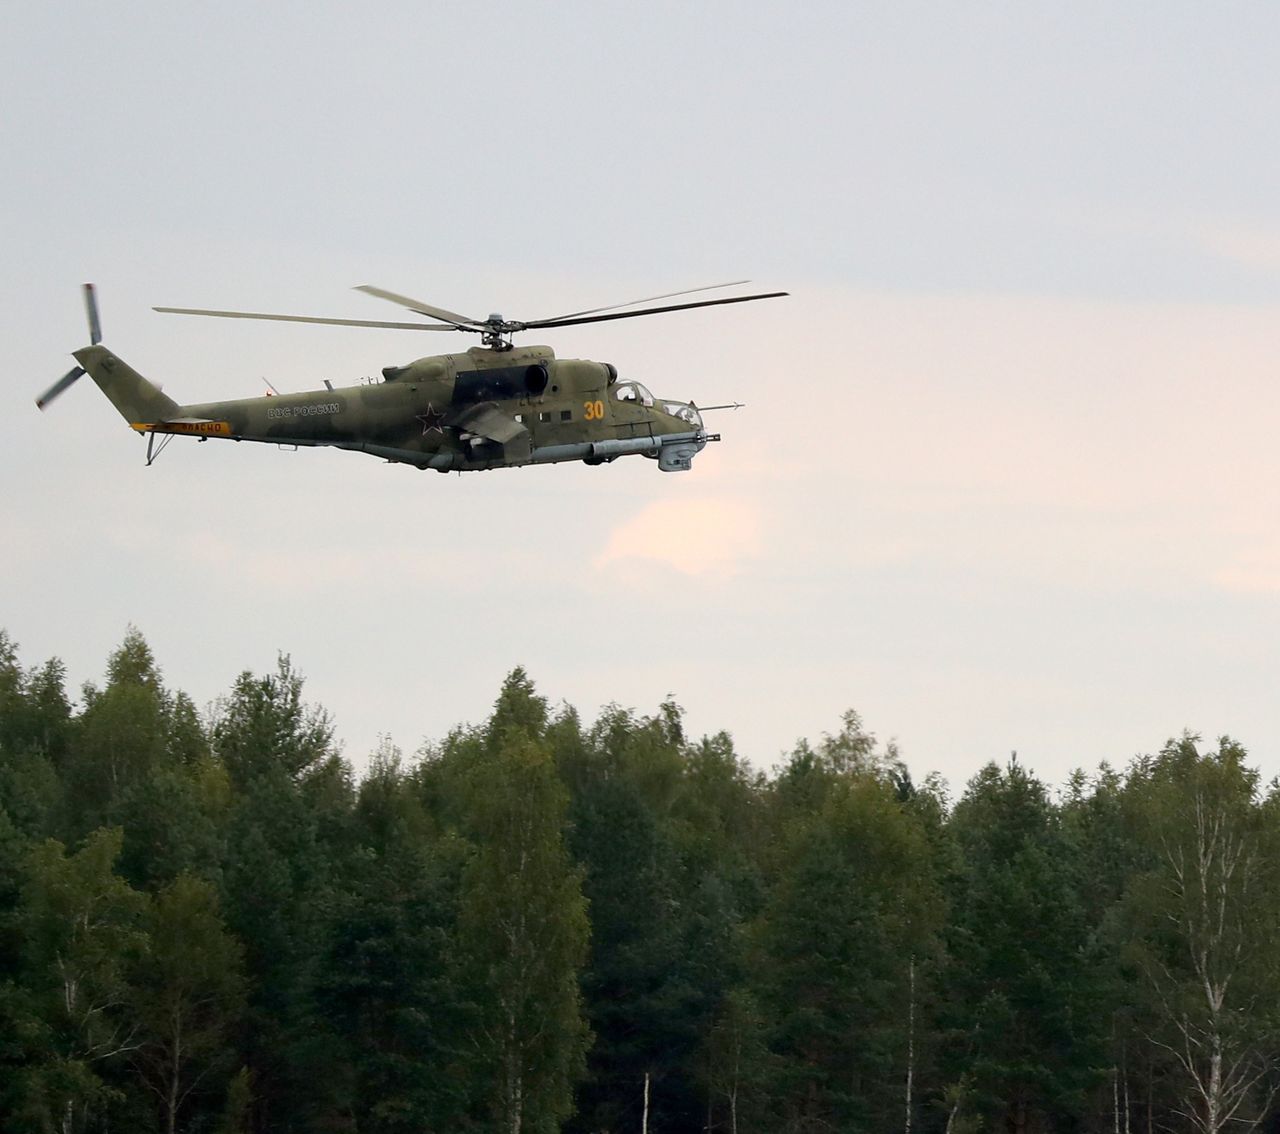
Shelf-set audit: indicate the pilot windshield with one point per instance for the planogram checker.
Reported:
(685, 412)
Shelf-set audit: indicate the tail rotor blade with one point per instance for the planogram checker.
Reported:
(91, 309)
(59, 386)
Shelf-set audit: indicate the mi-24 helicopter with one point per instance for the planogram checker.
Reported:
(497, 405)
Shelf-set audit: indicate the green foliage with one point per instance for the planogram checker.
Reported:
(656, 827)
(84, 931)
(522, 922)
(237, 1110)
(1026, 992)
(35, 725)
(853, 906)
(264, 728)
(187, 995)
(1202, 920)
(34, 712)
(211, 925)
(392, 983)
(121, 735)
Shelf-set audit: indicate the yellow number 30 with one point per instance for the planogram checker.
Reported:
(593, 411)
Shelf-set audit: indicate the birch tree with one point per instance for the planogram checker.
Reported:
(188, 996)
(82, 926)
(1207, 918)
(735, 1057)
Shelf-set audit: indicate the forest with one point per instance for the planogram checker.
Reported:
(210, 923)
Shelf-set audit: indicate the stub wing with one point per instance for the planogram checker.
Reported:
(486, 423)
(489, 422)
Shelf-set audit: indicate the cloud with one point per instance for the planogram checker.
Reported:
(1239, 243)
(1251, 572)
(701, 536)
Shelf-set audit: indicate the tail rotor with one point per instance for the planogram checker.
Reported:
(95, 337)
(91, 310)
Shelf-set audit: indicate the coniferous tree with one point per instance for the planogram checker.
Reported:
(393, 985)
(523, 921)
(852, 905)
(1025, 993)
(1104, 849)
(35, 730)
(656, 972)
(278, 896)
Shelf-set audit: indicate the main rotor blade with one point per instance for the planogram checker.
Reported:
(633, 302)
(91, 309)
(59, 386)
(655, 310)
(418, 306)
(310, 319)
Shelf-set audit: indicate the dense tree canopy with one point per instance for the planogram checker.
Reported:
(209, 923)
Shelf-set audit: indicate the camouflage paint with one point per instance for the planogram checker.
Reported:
(480, 409)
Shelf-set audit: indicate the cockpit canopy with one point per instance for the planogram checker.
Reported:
(632, 392)
(638, 394)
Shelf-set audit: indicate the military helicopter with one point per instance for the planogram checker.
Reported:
(494, 406)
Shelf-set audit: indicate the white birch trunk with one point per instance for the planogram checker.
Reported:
(1210, 878)
(911, 1037)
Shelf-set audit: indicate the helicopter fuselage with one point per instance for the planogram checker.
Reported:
(479, 409)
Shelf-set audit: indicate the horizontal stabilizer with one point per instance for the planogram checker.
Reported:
(196, 426)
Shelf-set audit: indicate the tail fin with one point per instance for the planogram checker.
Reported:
(136, 399)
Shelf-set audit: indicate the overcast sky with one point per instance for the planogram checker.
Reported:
(1007, 477)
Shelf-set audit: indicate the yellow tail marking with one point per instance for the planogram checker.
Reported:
(200, 428)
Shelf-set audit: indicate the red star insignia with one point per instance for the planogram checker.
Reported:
(432, 419)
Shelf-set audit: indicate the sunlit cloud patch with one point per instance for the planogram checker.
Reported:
(695, 537)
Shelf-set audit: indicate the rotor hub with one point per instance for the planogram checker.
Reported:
(496, 331)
